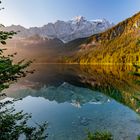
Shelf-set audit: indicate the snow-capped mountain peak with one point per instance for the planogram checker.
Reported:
(79, 19)
(66, 31)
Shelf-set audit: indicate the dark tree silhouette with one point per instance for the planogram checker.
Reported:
(13, 125)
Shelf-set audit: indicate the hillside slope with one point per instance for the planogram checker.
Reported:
(119, 44)
(43, 50)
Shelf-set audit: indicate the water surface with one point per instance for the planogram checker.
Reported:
(75, 98)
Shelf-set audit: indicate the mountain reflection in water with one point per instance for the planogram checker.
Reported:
(68, 83)
(65, 93)
(73, 98)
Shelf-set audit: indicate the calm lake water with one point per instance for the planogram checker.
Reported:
(75, 98)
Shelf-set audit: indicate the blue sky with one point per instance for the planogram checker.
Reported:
(39, 12)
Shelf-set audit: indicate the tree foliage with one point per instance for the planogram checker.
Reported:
(14, 125)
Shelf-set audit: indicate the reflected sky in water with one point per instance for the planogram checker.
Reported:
(73, 98)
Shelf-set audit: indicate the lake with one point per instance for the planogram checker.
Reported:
(74, 98)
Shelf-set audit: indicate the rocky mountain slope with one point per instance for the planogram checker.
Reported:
(42, 50)
(66, 31)
(120, 44)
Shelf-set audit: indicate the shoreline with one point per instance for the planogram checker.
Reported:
(95, 64)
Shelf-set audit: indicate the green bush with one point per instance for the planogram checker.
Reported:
(99, 136)
(138, 138)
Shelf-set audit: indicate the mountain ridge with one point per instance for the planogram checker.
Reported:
(66, 31)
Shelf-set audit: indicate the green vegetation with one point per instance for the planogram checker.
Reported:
(138, 138)
(14, 125)
(136, 73)
(118, 45)
(99, 136)
(138, 42)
